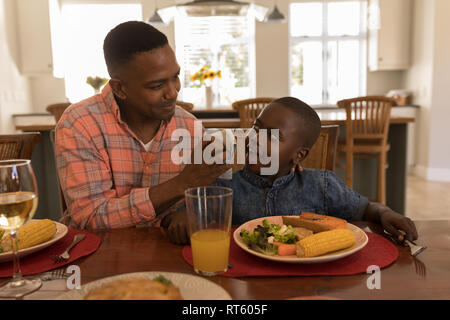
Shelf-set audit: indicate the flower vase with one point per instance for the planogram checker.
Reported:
(208, 97)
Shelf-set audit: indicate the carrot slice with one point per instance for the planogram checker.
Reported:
(285, 249)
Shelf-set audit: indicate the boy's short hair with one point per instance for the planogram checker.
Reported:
(311, 121)
(128, 39)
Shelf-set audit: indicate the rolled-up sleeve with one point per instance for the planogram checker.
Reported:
(86, 179)
(341, 201)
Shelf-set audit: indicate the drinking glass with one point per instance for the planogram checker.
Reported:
(18, 203)
(209, 216)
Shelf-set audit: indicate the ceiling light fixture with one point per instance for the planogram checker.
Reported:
(156, 19)
(210, 8)
(275, 16)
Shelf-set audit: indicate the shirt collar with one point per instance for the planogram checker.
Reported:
(108, 96)
(265, 182)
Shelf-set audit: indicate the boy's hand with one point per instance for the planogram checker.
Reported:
(177, 226)
(393, 222)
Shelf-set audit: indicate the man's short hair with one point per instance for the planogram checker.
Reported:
(311, 122)
(128, 39)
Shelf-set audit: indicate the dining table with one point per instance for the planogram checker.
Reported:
(139, 249)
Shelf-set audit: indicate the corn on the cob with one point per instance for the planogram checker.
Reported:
(31, 234)
(325, 242)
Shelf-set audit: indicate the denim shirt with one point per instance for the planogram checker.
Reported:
(318, 191)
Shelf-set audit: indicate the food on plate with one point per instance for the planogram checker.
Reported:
(264, 237)
(30, 234)
(159, 288)
(314, 226)
(332, 222)
(302, 233)
(285, 249)
(325, 242)
(285, 240)
(315, 222)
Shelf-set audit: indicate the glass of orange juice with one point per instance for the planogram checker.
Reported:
(209, 214)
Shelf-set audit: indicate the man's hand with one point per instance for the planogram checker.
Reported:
(193, 175)
(177, 226)
(196, 175)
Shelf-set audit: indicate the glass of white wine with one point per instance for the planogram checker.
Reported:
(18, 203)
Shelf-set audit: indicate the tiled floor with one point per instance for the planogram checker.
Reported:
(427, 200)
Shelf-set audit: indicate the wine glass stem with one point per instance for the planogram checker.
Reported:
(17, 274)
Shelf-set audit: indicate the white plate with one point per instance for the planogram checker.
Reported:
(61, 231)
(191, 287)
(361, 240)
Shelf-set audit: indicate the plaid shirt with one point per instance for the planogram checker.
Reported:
(104, 170)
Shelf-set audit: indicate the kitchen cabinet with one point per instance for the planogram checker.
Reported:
(389, 34)
(34, 37)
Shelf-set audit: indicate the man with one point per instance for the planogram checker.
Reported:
(113, 150)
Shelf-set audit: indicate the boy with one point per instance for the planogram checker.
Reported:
(289, 192)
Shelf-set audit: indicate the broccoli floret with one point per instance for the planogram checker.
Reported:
(163, 280)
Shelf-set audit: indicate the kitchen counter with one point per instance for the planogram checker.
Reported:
(364, 169)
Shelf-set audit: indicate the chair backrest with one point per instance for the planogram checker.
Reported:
(57, 109)
(18, 146)
(367, 117)
(323, 153)
(63, 199)
(185, 105)
(249, 109)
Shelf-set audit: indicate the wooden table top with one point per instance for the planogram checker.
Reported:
(149, 249)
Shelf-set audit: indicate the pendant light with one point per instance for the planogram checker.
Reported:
(275, 16)
(156, 19)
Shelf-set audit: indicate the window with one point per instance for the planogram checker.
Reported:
(78, 31)
(327, 50)
(223, 43)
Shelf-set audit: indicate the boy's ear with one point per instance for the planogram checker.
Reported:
(116, 86)
(301, 154)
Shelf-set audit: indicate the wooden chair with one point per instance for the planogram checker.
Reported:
(18, 146)
(323, 153)
(366, 133)
(185, 105)
(249, 109)
(63, 200)
(57, 109)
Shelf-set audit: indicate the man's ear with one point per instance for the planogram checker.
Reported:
(116, 86)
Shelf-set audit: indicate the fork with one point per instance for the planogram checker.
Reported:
(65, 255)
(54, 275)
(420, 267)
(414, 248)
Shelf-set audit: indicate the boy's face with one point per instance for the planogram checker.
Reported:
(291, 150)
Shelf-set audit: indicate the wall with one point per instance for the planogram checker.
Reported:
(272, 55)
(439, 156)
(272, 61)
(380, 82)
(428, 78)
(14, 88)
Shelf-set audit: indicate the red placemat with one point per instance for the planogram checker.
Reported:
(378, 251)
(40, 261)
